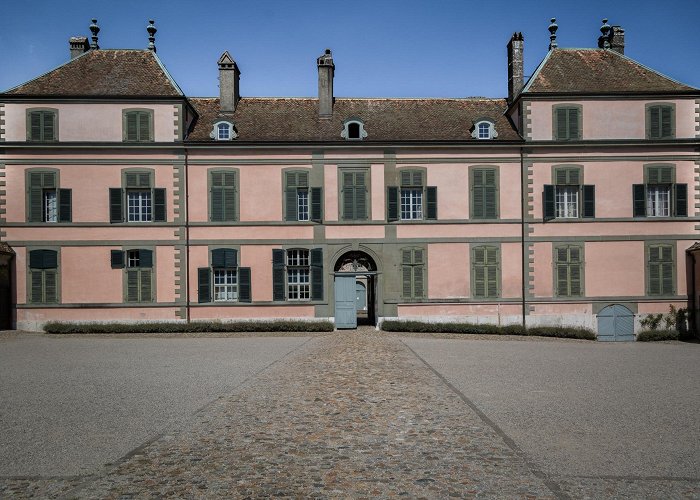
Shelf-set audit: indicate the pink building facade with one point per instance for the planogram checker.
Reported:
(573, 201)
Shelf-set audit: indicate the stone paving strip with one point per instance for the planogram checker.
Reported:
(356, 415)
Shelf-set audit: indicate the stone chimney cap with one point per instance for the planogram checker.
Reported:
(326, 59)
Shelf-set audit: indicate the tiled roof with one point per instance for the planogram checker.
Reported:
(279, 119)
(597, 71)
(110, 73)
(5, 248)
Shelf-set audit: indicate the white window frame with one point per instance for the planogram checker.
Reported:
(658, 200)
(142, 208)
(566, 202)
(411, 203)
(50, 205)
(480, 131)
(303, 213)
(225, 282)
(298, 274)
(216, 135)
(345, 134)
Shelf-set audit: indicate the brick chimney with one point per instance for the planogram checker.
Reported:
(229, 78)
(326, 69)
(78, 45)
(617, 39)
(516, 72)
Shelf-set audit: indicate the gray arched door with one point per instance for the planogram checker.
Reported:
(615, 324)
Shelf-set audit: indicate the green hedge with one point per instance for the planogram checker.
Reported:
(198, 326)
(655, 335)
(570, 332)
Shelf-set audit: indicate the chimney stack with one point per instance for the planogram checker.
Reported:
(516, 72)
(617, 39)
(78, 45)
(326, 69)
(229, 78)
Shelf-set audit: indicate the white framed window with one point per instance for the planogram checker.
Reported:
(223, 131)
(658, 201)
(303, 204)
(484, 129)
(412, 203)
(566, 202)
(225, 285)
(139, 205)
(353, 130)
(298, 275)
(50, 205)
(133, 258)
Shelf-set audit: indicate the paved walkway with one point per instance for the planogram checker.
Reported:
(354, 415)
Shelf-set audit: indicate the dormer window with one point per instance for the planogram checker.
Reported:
(353, 130)
(223, 131)
(484, 129)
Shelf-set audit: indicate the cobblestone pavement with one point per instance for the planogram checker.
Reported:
(357, 414)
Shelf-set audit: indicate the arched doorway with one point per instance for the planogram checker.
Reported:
(615, 324)
(355, 285)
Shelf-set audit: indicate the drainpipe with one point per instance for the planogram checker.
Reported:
(692, 312)
(525, 260)
(187, 238)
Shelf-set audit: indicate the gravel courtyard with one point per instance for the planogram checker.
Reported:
(358, 414)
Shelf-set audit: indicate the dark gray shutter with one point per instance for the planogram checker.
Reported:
(666, 266)
(278, 275)
(431, 203)
(132, 285)
(244, 291)
(35, 126)
(360, 196)
(116, 213)
(654, 122)
(218, 258)
(478, 193)
(145, 258)
(144, 133)
(159, 214)
(418, 273)
(392, 203)
(217, 204)
(146, 285)
(639, 200)
(36, 259)
(681, 199)
(316, 274)
(348, 196)
(574, 132)
(204, 284)
(548, 202)
(666, 126)
(588, 192)
(291, 202)
(562, 129)
(50, 258)
(407, 273)
(316, 204)
(64, 205)
(132, 134)
(36, 194)
(48, 127)
(117, 259)
(50, 287)
(230, 258)
(479, 272)
(36, 287)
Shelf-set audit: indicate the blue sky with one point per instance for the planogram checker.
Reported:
(381, 48)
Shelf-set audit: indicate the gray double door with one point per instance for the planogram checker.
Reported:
(345, 301)
(615, 324)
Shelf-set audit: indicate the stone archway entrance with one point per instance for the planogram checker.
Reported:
(355, 286)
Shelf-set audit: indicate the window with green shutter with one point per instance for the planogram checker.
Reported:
(485, 272)
(661, 269)
(137, 125)
(568, 197)
(42, 125)
(412, 199)
(354, 194)
(43, 277)
(660, 121)
(297, 274)
(568, 271)
(567, 122)
(137, 200)
(301, 202)
(138, 275)
(484, 193)
(46, 202)
(660, 196)
(223, 195)
(224, 280)
(413, 273)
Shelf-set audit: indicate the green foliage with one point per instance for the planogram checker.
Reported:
(674, 319)
(194, 327)
(569, 332)
(656, 335)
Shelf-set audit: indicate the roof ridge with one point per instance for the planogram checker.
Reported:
(536, 73)
(46, 73)
(167, 73)
(649, 69)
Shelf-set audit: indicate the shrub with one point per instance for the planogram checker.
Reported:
(194, 327)
(470, 328)
(673, 320)
(656, 335)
